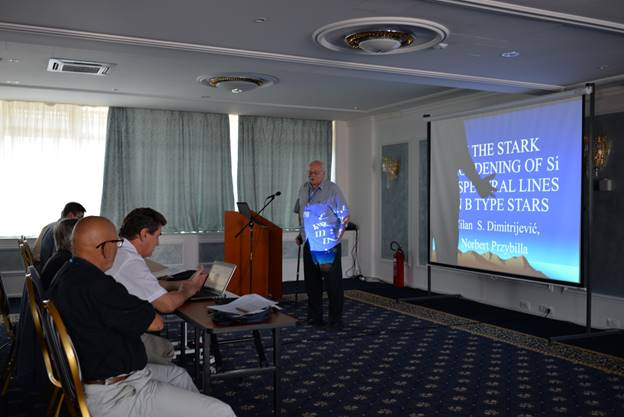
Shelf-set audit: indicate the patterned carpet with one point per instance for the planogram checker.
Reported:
(398, 359)
(394, 359)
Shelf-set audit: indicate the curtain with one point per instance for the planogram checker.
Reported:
(177, 163)
(273, 155)
(50, 154)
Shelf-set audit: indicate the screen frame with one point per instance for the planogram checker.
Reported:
(584, 197)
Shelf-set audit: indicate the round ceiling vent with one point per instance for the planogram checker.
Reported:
(237, 83)
(381, 35)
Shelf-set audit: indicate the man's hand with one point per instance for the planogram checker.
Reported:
(157, 324)
(193, 284)
(299, 240)
(484, 187)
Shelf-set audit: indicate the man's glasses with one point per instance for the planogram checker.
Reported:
(315, 172)
(117, 242)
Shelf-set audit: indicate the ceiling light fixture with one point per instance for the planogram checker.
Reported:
(379, 41)
(260, 20)
(381, 35)
(237, 83)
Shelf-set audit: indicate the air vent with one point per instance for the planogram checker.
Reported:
(78, 67)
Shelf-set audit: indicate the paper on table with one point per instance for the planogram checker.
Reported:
(246, 304)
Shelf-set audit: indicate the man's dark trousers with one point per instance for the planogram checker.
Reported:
(313, 279)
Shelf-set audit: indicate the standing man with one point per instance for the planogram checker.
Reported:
(324, 214)
(141, 232)
(105, 323)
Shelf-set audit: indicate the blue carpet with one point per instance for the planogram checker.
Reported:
(398, 359)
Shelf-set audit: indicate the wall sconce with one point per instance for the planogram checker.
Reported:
(600, 157)
(391, 167)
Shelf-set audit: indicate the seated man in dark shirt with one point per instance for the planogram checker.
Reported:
(62, 240)
(105, 323)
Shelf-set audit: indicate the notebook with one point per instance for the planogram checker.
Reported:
(217, 281)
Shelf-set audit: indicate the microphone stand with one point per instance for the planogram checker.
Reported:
(250, 224)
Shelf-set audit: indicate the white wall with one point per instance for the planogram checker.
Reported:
(365, 137)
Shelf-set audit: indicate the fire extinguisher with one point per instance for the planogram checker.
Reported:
(398, 258)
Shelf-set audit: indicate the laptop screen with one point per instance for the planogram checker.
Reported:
(219, 276)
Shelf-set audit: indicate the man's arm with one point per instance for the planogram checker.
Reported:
(170, 301)
(157, 324)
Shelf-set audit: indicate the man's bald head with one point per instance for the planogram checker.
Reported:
(91, 241)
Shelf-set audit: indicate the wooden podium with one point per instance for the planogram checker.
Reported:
(267, 255)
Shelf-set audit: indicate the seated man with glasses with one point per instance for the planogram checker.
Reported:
(105, 323)
(141, 232)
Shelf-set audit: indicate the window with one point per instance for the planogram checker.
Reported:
(49, 155)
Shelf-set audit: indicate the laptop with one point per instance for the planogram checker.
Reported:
(243, 208)
(216, 283)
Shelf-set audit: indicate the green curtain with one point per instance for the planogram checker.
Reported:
(273, 155)
(177, 163)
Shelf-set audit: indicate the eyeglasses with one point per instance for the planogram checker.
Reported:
(315, 172)
(117, 242)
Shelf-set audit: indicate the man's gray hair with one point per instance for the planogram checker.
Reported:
(62, 233)
(317, 162)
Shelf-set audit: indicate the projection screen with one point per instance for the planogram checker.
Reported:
(505, 191)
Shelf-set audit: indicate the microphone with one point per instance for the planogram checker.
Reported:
(274, 195)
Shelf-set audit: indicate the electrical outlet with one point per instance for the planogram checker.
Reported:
(613, 323)
(546, 309)
(525, 305)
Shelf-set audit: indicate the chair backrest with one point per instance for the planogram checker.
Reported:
(27, 255)
(37, 282)
(65, 353)
(5, 312)
(38, 316)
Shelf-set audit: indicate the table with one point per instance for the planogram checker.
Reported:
(196, 313)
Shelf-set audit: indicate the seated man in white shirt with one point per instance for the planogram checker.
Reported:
(141, 232)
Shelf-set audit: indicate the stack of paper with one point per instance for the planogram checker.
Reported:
(246, 304)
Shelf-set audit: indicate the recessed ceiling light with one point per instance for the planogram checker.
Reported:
(603, 67)
(260, 19)
(510, 54)
(12, 82)
(114, 89)
(14, 60)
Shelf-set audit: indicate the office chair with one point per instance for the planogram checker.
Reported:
(64, 353)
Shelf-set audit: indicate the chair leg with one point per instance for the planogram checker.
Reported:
(56, 399)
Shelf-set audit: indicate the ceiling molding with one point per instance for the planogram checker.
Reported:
(204, 100)
(540, 14)
(354, 66)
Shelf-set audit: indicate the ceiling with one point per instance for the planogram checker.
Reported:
(160, 47)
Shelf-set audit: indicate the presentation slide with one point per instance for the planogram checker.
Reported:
(505, 191)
